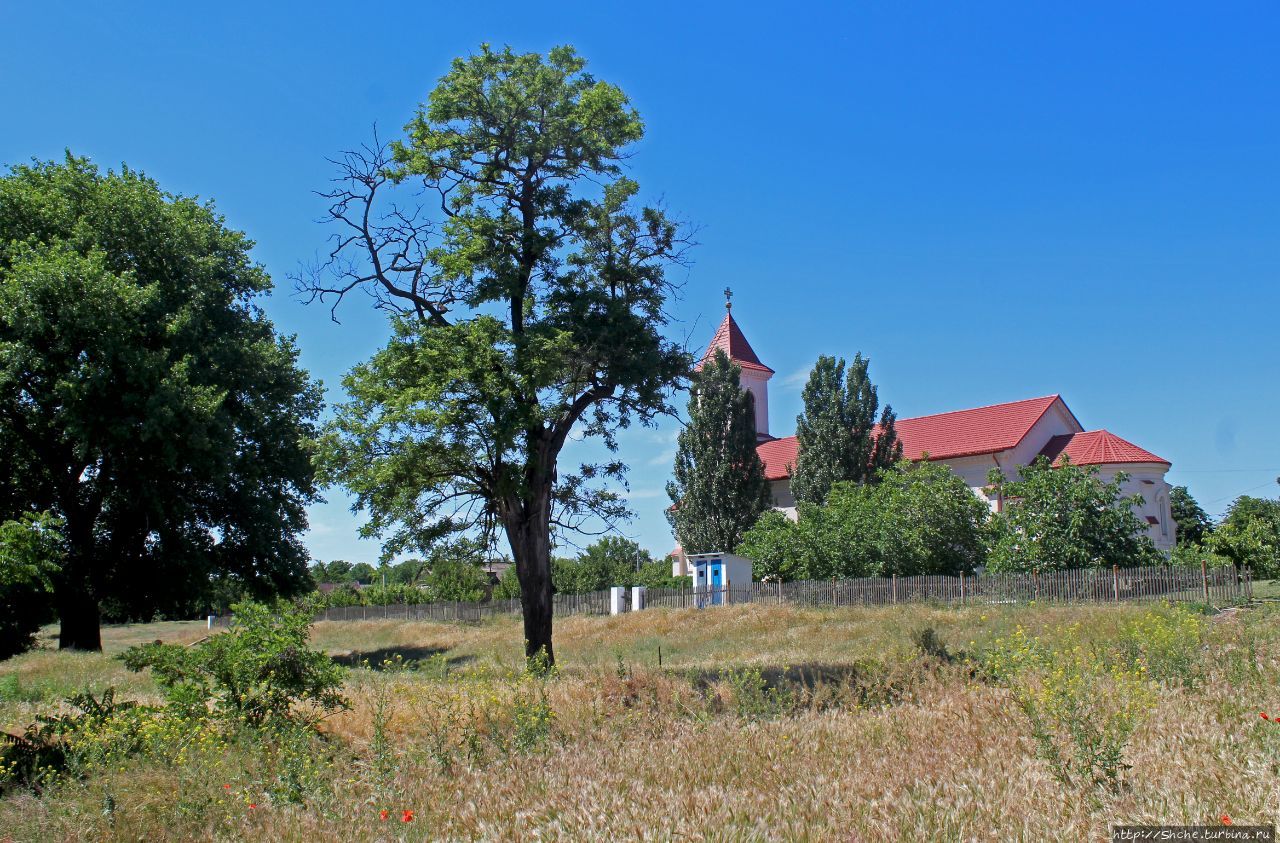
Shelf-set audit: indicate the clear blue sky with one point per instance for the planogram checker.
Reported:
(992, 201)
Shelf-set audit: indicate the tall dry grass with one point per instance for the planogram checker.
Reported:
(892, 747)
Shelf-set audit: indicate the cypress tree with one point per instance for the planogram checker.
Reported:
(836, 431)
(822, 433)
(719, 488)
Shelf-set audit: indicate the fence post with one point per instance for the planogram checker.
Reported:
(1204, 578)
(1115, 582)
(779, 590)
(893, 594)
(1035, 585)
(962, 588)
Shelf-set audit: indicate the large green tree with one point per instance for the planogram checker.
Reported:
(1250, 535)
(919, 518)
(145, 400)
(528, 304)
(719, 487)
(836, 431)
(1193, 523)
(1066, 516)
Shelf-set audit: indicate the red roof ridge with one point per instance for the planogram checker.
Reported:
(1050, 398)
(1097, 447)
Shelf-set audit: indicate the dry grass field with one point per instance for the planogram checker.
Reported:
(762, 723)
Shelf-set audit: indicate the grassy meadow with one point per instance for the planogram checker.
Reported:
(762, 722)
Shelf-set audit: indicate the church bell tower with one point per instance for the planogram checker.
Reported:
(755, 375)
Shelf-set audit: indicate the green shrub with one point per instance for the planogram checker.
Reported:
(260, 672)
(30, 551)
(754, 699)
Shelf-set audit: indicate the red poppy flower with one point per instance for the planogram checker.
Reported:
(383, 814)
(1263, 715)
(252, 805)
(406, 817)
(226, 787)
(1225, 819)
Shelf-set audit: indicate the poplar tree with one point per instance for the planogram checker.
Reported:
(719, 489)
(837, 433)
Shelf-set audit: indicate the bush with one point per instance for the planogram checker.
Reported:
(30, 551)
(260, 672)
(919, 518)
(1082, 704)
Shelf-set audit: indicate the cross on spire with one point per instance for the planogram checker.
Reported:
(728, 303)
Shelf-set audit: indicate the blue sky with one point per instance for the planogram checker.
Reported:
(993, 201)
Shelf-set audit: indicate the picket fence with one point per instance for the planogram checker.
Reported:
(1215, 586)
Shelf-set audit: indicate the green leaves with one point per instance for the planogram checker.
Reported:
(144, 399)
(837, 434)
(920, 518)
(1066, 517)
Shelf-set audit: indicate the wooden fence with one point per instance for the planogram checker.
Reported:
(1215, 586)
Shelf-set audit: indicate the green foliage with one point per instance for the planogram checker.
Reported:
(31, 551)
(754, 699)
(1066, 517)
(1250, 535)
(1194, 524)
(532, 304)
(134, 359)
(920, 518)
(719, 489)
(98, 731)
(261, 672)
(837, 434)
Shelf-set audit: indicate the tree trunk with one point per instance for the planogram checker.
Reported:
(73, 595)
(81, 620)
(529, 533)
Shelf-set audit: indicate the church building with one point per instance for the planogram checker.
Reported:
(972, 442)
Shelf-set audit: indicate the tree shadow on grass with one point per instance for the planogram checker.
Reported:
(407, 655)
(801, 676)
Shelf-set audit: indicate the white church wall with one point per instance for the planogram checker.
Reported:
(1148, 480)
(783, 500)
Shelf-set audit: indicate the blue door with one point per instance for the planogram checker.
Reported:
(717, 583)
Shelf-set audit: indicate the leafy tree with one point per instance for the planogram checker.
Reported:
(719, 489)
(918, 518)
(1193, 523)
(456, 580)
(837, 433)
(31, 549)
(363, 572)
(1250, 535)
(336, 571)
(1066, 517)
(616, 553)
(144, 398)
(776, 548)
(529, 305)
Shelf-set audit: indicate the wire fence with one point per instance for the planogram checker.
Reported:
(1214, 586)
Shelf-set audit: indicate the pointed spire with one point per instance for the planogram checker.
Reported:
(729, 338)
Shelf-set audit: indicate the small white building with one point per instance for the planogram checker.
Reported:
(714, 573)
(971, 443)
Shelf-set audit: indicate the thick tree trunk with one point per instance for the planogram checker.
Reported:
(81, 620)
(529, 533)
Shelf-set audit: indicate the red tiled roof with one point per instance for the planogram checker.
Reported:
(962, 433)
(1097, 447)
(729, 339)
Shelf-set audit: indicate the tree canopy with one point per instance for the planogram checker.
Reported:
(145, 400)
(1193, 523)
(1066, 516)
(526, 304)
(920, 518)
(836, 432)
(1250, 535)
(719, 487)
